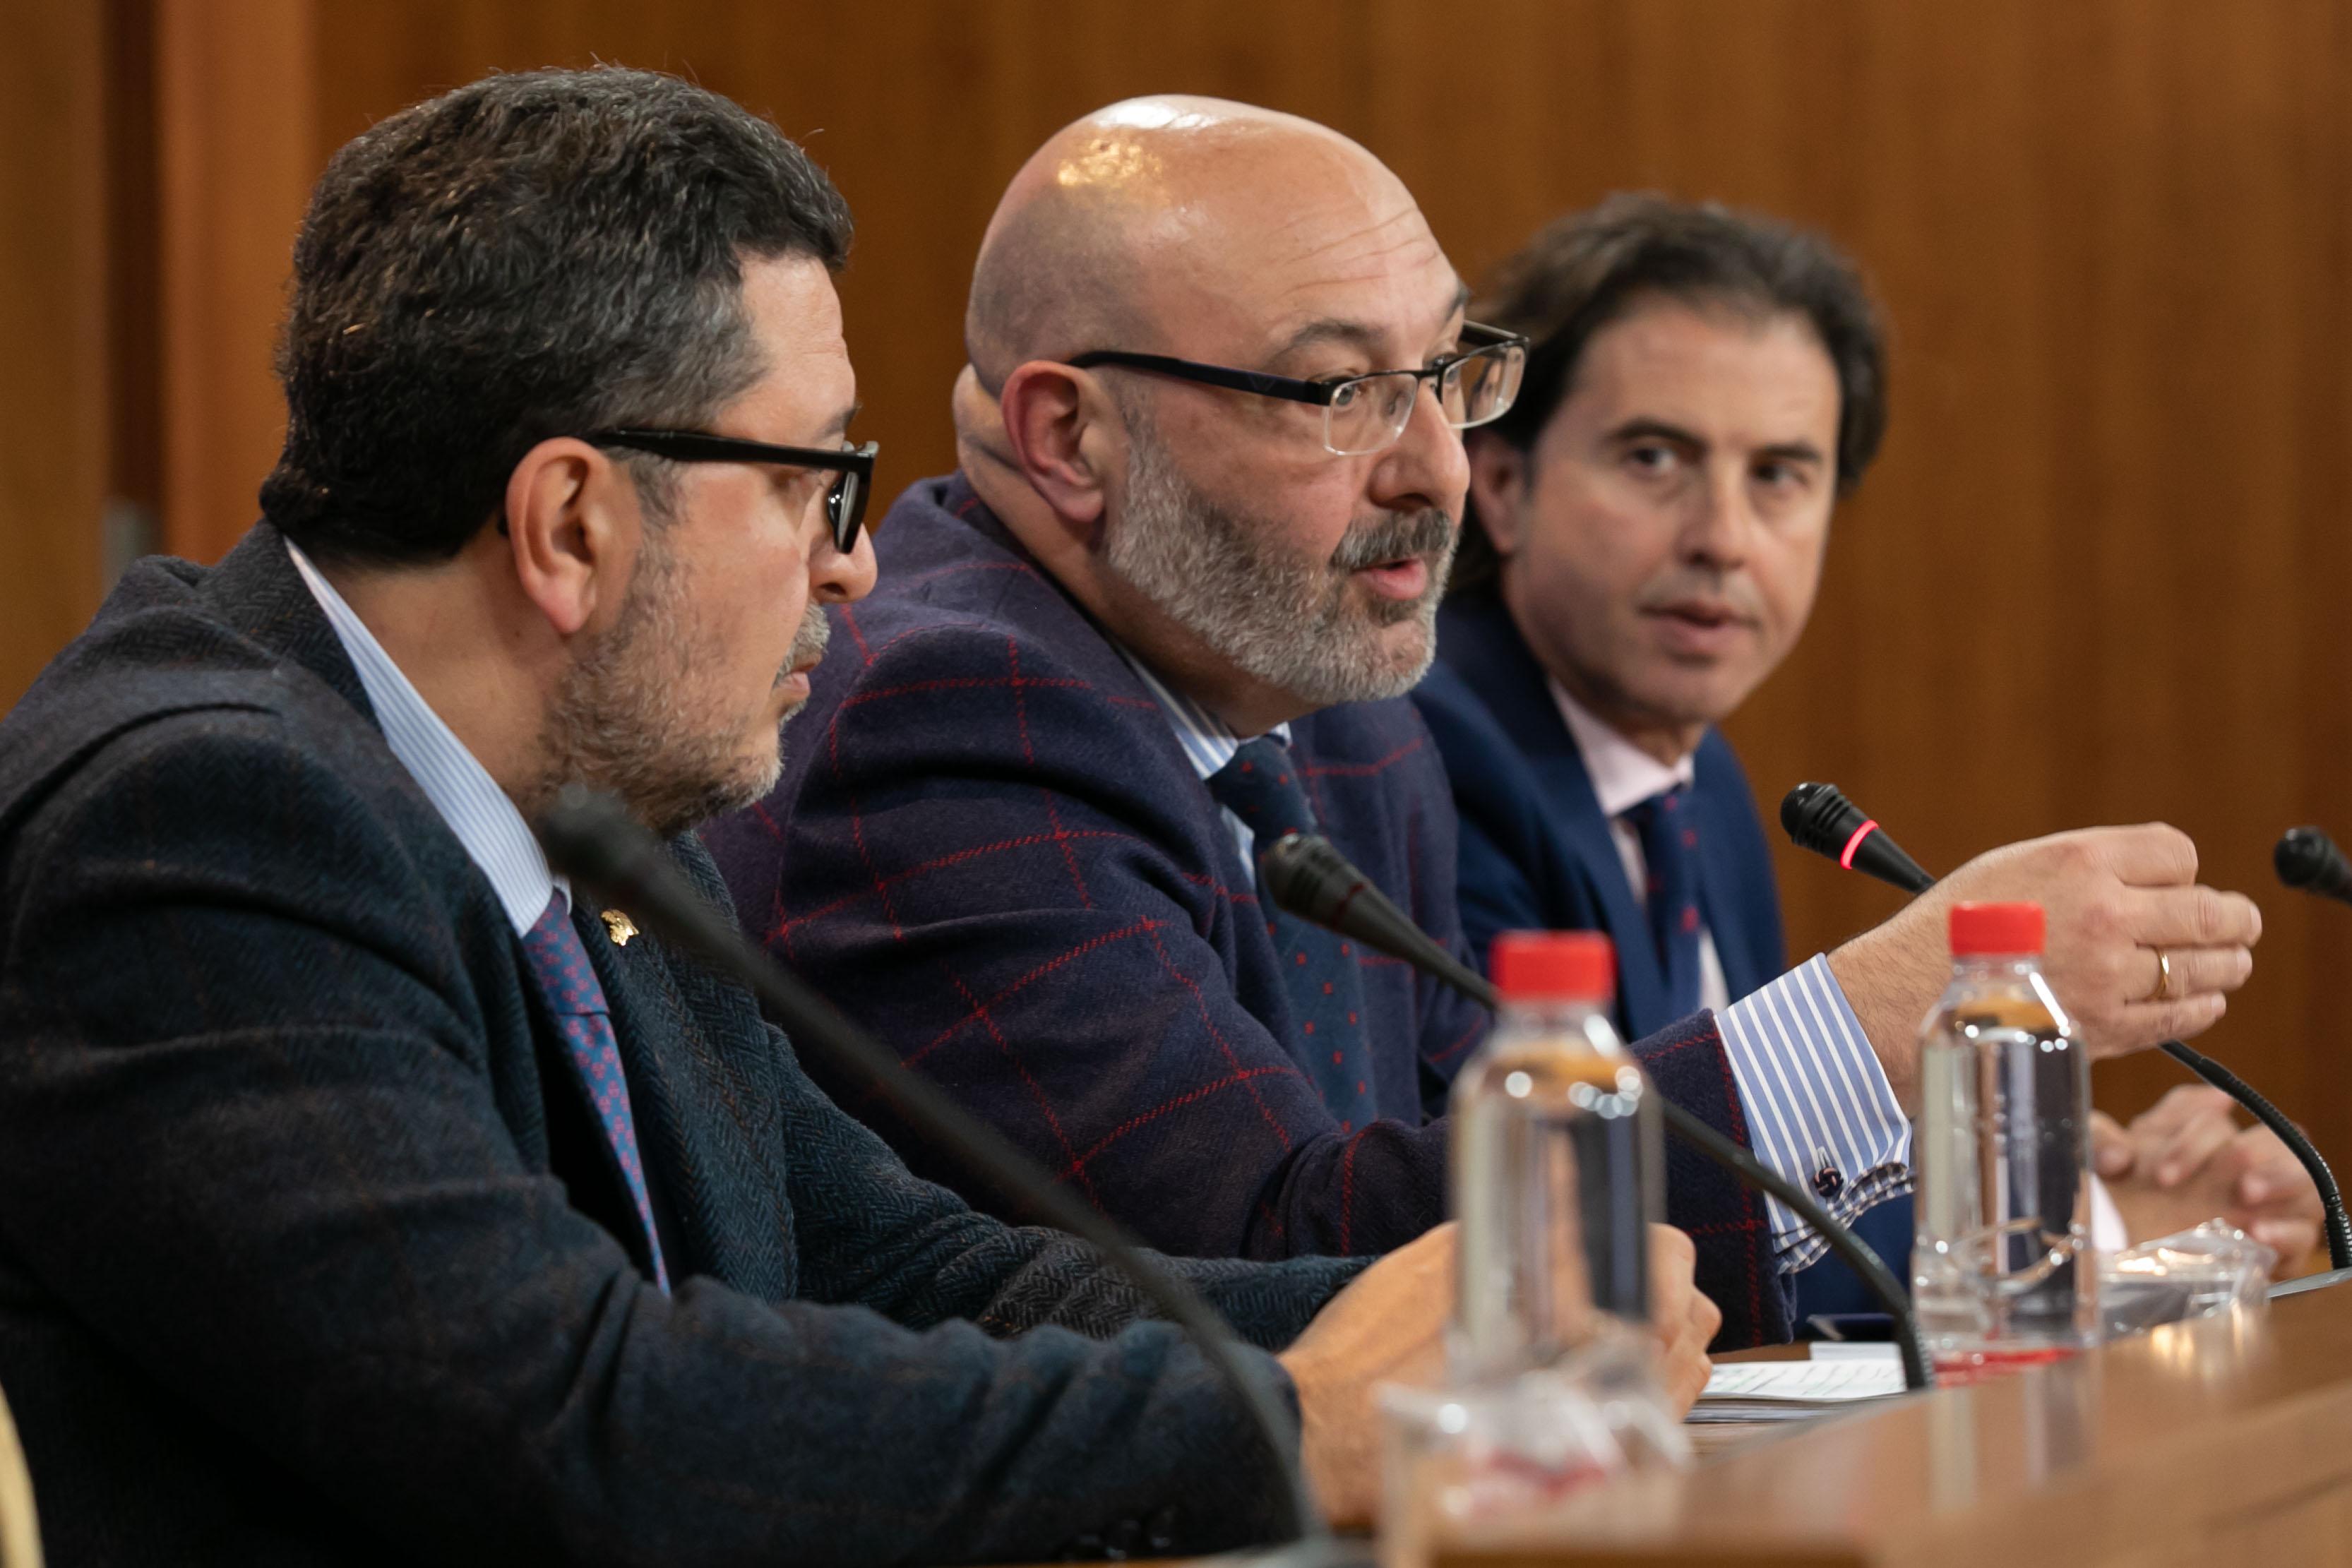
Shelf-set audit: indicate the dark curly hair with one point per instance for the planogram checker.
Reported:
(533, 254)
(1588, 270)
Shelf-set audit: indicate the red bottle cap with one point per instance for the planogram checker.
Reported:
(1553, 966)
(1996, 928)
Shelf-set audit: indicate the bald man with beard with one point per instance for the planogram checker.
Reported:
(1211, 464)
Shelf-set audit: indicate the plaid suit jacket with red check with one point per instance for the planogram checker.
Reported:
(988, 848)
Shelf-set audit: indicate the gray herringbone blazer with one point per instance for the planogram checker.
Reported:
(303, 1255)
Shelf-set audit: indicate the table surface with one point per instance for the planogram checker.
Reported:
(2153, 1437)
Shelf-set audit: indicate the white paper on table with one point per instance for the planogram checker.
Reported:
(1832, 1381)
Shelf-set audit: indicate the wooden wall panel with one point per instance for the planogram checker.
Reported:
(2099, 571)
(52, 331)
(235, 156)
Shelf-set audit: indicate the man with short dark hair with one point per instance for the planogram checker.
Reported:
(363, 1198)
(1169, 608)
(1645, 535)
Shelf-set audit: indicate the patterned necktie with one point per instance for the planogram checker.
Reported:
(1670, 849)
(559, 964)
(1261, 787)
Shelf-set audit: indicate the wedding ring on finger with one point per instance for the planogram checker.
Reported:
(2163, 976)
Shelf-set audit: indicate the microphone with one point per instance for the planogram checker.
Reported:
(1820, 819)
(591, 837)
(1308, 876)
(2308, 861)
(1821, 809)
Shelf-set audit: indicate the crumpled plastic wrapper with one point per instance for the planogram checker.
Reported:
(1464, 1458)
(2195, 1273)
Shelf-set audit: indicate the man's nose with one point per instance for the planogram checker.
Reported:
(836, 577)
(1427, 467)
(1722, 521)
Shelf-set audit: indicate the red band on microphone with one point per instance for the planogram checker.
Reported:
(1845, 855)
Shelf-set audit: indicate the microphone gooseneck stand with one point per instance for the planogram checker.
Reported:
(1818, 817)
(2307, 860)
(590, 838)
(1309, 878)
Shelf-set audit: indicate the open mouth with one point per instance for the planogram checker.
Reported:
(1406, 576)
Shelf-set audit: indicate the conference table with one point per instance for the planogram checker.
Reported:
(2227, 1440)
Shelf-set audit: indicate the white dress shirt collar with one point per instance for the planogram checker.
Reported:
(1208, 741)
(480, 813)
(1622, 774)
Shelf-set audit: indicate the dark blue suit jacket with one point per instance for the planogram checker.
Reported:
(299, 1254)
(987, 833)
(1537, 855)
(1536, 851)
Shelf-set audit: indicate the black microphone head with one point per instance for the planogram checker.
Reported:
(1308, 876)
(589, 836)
(2308, 861)
(1818, 817)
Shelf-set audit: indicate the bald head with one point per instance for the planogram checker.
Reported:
(1159, 211)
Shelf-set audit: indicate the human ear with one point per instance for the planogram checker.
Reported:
(1498, 488)
(1058, 425)
(571, 524)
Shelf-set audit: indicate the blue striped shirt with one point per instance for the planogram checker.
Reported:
(480, 813)
(1817, 1100)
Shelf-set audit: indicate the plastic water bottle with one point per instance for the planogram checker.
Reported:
(2001, 1268)
(1557, 1169)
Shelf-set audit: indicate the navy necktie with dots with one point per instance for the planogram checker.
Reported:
(1669, 832)
(1262, 786)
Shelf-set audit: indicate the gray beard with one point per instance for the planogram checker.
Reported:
(1295, 625)
(617, 722)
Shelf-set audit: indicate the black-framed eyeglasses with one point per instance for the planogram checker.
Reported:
(1367, 413)
(845, 499)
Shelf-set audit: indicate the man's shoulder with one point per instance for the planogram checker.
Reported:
(954, 584)
(170, 709)
(961, 609)
(158, 671)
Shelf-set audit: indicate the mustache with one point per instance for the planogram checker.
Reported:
(1394, 537)
(808, 643)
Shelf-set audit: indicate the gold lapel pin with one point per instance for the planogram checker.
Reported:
(619, 927)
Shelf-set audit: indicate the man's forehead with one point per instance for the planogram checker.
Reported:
(1389, 301)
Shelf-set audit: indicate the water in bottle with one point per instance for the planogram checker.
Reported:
(1557, 1167)
(2001, 1268)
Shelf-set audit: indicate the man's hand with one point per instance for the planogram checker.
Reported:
(1684, 1319)
(1387, 1326)
(2185, 1160)
(2115, 898)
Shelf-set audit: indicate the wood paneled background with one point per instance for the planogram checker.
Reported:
(2099, 573)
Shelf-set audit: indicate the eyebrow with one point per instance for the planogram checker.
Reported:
(1660, 430)
(841, 422)
(1362, 336)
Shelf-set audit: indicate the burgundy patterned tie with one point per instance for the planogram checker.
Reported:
(559, 964)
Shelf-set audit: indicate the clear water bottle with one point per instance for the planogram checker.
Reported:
(2001, 1268)
(1556, 1169)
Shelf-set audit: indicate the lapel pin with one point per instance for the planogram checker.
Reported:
(619, 927)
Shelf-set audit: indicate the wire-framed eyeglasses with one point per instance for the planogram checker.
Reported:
(845, 498)
(1367, 413)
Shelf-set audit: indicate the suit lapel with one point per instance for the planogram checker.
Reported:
(718, 1184)
(1485, 648)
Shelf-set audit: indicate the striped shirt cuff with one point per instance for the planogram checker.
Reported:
(1820, 1110)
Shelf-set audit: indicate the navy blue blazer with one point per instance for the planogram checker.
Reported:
(1536, 851)
(1537, 855)
(987, 833)
(301, 1256)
